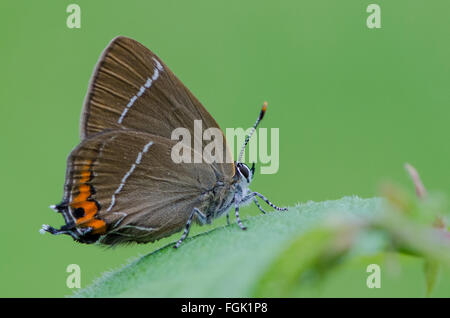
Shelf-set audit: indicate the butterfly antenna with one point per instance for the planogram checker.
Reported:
(247, 138)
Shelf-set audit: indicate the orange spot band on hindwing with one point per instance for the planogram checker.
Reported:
(83, 200)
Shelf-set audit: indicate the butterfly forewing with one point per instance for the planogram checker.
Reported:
(131, 88)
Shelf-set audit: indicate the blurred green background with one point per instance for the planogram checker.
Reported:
(352, 105)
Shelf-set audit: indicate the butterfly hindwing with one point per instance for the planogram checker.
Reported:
(124, 185)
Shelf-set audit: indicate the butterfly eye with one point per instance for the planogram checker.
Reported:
(244, 171)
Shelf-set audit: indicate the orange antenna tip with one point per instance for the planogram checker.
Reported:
(263, 111)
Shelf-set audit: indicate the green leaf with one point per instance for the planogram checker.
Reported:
(281, 253)
(307, 260)
(226, 261)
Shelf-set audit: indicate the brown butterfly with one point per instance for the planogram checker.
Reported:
(121, 183)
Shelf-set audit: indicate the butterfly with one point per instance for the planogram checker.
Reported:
(122, 185)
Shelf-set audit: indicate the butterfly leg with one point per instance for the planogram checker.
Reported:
(258, 205)
(252, 196)
(200, 216)
(267, 201)
(228, 218)
(236, 206)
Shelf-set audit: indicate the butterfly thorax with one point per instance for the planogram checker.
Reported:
(224, 195)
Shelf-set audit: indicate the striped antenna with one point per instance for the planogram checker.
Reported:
(261, 115)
